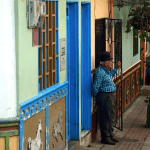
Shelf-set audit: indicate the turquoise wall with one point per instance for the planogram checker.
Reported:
(127, 39)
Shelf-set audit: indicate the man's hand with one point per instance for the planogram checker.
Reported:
(118, 65)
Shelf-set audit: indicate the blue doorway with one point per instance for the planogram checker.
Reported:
(72, 70)
(85, 66)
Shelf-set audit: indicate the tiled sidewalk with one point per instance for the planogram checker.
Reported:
(135, 135)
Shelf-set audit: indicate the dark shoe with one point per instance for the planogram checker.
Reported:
(108, 141)
(113, 139)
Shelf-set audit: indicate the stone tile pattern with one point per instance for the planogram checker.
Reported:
(135, 135)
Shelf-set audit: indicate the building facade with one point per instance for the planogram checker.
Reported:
(129, 49)
(46, 73)
(49, 83)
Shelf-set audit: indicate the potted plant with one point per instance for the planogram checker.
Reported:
(148, 111)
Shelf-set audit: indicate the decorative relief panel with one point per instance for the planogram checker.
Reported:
(132, 86)
(127, 91)
(137, 81)
(118, 102)
(36, 143)
(57, 125)
(35, 132)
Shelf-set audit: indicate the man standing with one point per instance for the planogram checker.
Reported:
(104, 90)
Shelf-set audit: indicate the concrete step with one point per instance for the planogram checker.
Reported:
(145, 90)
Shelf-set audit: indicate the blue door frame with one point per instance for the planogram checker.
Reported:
(72, 70)
(85, 66)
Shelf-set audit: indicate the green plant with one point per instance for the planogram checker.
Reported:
(147, 100)
(140, 20)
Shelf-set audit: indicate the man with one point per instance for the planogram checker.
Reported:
(104, 90)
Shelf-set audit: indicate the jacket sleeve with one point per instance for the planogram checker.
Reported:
(113, 72)
(97, 83)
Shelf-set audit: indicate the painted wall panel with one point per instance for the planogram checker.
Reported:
(57, 125)
(31, 129)
(62, 32)
(13, 143)
(101, 9)
(127, 39)
(2, 143)
(27, 55)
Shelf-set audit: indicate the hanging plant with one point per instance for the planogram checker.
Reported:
(140, 20)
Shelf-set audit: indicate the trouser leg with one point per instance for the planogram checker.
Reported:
(112, 114)
(103, 122)
(105, 111)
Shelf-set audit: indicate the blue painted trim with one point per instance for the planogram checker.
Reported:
(21, 135)
(67, 97)
(47, 128)
(73, 105)
(85, 2)
(86, 71)
(71, 1)
(90, 112)
(46, 92)
(57, 43)
(67, 119)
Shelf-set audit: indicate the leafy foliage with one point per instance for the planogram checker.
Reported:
(147, 100)
(140, 20)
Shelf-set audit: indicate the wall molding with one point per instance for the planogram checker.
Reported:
(131, 67)
(38, 103)
(9, 120)
(128, 72)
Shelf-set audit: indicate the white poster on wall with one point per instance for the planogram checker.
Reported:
(62, 54)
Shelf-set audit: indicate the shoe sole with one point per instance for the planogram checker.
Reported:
(108, 143)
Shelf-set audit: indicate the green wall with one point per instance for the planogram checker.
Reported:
(27, 56)
(127, 39)
(62, 33)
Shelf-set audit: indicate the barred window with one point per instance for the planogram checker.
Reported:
(48, 48)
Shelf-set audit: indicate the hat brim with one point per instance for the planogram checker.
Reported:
(109, 59)
(106, 59)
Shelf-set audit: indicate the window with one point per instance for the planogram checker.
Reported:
(48, 48)
(135, 43)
